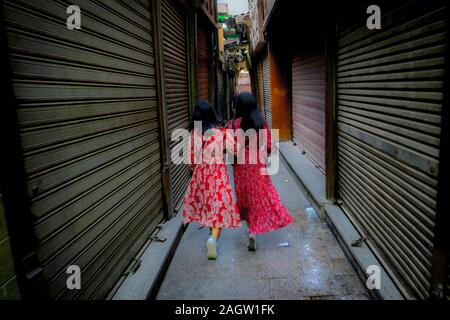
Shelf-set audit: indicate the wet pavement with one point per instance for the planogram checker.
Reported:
(313, 266)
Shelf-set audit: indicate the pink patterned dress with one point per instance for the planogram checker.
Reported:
(258, 200)
(209, 198)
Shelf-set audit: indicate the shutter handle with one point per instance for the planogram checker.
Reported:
(35, 189)
(158, 239)
(358, 242)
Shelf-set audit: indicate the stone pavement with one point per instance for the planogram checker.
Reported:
(313, 266)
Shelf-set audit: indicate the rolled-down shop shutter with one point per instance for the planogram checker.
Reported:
(308, 102)
(88, 117)
(390, 91)
(221, 103)
(260, 84)
(267, 87)
(203, 57)
(176, 89)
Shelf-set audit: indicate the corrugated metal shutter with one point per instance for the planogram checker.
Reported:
(176, 89)
(260, 85)
(89, 128)
(267, 88)
(203, 57)
(221, 104)
(308, 103)
(390, 91)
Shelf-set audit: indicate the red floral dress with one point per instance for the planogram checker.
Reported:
(209, 198)
(257, 198)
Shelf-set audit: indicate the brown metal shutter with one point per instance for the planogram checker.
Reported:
(176, 89)
(88, 115)
(390, 90)
(308, 103)
(267, 88)
(203, 64)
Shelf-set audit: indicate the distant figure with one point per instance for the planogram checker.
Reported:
(258, 200)
(209, 198)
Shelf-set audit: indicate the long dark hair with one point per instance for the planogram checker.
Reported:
(247, 109)
(205, 113)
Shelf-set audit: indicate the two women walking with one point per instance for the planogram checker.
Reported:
(209, 199)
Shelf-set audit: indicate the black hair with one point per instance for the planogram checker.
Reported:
(247, 109)
(205, 113)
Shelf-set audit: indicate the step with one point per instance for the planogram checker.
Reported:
(154, 261)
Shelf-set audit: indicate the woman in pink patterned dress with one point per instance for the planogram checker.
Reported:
(209, 198)
(258, 200)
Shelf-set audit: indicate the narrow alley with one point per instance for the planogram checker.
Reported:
(313, 266)
(98, 188)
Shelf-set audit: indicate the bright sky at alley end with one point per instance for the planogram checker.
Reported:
(236, 6)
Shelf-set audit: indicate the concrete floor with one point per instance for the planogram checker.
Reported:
(312, 267)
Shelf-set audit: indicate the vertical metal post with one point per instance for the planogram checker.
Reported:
(192, 59)
(19, 218)
(441, 252)
(162, 110)
(196, 55)
(330, 108)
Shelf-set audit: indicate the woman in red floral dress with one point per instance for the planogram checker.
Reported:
(258, 200)
(209, 199)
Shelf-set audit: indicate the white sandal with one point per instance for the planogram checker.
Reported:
(211, 246)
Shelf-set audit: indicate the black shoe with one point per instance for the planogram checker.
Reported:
(251, 243)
